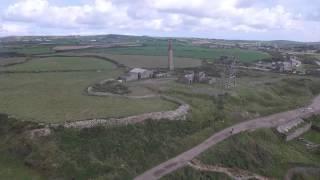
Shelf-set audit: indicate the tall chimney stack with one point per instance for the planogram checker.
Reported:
(170, 56)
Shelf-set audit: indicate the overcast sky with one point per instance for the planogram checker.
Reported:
(228, 19)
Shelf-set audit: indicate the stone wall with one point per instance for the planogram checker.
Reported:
(179, 114)
(93, 93)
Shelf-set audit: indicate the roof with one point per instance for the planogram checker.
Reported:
(138, 70)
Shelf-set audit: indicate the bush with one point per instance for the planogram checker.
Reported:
(113, 87)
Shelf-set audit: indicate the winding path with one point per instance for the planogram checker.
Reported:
(263, 122)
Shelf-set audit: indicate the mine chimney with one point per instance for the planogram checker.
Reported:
(170, 56)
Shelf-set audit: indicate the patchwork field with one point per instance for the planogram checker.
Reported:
(153, 61)
(62, 63)
(58, 97)
(29, 50)
(9, 61)
(184, 51)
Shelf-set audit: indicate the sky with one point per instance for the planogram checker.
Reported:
(297, 20)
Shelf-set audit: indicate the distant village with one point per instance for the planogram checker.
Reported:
(290, 65)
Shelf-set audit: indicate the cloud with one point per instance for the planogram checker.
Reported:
(9, 29)
(164, 16)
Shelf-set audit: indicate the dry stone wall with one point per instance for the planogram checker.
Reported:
(179, 114)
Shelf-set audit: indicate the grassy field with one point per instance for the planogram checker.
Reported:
(124, 152)
(62, 63)
(153, 61)
(8, 61)
(35, 49)
(58, 97)
(184, 51)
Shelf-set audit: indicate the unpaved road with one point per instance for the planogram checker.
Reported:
(233, 173)
(263, 122)
(313, 171)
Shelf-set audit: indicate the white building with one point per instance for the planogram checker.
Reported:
(137, 74)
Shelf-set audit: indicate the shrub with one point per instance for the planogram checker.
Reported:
(112, 87)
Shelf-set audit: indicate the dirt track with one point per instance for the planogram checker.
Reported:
(263, 122)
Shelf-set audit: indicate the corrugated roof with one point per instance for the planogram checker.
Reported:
(138, 70)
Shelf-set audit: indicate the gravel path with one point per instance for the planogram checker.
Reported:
(315, 172)
(263, 122)
(233, 173)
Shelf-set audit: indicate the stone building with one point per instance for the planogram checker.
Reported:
(137, 74)
(196, 77)
(201, 77)
(187, 78)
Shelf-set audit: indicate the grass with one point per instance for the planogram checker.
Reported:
(62, 63)
(124, 152)
(34, 49)
(312, 136)
(99, 153)
(11, 168)
(9, 61)
(153, 61)
(262, 152)
(59, 97)
(262, 95)
(185, 51)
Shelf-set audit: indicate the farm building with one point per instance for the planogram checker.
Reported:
(137, 74)
(196, 77)
(200, 77)
(187, 78)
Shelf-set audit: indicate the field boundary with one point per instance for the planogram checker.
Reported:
(179, 114)
(119, 65)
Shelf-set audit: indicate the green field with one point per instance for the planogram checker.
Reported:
(10, 61)
(35, 49)
(29, 94)
(62, 63)
(59, 97)
(153, 61)
(185, 51)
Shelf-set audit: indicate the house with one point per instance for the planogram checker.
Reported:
(137, 74)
